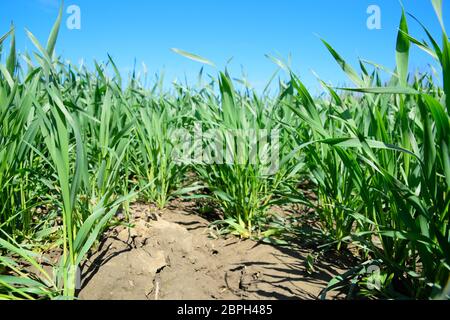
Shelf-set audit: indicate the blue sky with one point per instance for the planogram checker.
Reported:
(246, 30)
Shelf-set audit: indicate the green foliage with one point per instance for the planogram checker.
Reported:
(75, 144)
(381, 167)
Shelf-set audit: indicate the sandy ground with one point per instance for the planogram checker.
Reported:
(173, 255)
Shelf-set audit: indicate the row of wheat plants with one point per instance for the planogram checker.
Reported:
(62, 145)
(381, 163)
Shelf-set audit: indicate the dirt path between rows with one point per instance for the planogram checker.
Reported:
(173, 256)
